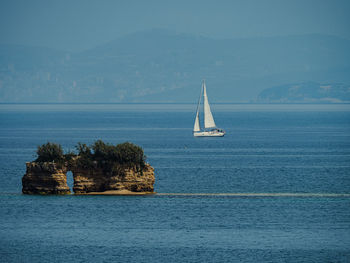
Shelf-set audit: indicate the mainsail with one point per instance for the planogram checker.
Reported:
(208, 117)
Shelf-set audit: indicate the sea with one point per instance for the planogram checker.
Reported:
(276, 188)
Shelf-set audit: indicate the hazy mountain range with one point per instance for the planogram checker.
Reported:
(163, 66)
(309, 92)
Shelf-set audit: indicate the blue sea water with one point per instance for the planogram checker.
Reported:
(268, 149)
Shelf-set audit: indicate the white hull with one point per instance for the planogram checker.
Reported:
(209, 134)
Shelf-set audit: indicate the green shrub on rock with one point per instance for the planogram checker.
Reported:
(130, 154)
(111, 158)
(104, 152)
(70, 158)
(85, 159)
(50, 152)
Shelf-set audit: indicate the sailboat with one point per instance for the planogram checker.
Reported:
(210, 129)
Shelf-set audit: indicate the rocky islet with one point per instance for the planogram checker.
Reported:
(50, 177)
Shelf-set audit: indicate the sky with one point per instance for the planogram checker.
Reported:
(76, 25)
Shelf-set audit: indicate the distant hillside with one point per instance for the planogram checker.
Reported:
(162, 66)
(309, 92)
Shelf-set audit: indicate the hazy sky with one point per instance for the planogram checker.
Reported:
(81, 24)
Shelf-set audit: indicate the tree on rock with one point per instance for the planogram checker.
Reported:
(50, 152)
(111, 158)
(130, 154)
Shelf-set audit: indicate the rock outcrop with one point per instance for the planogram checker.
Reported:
(45, 178)
(97, 180)
(49, 178)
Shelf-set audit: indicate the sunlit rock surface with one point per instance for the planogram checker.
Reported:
(45, 178)
(97, 180)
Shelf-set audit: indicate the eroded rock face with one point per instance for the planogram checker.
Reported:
(45, 178)
(97, 180)
(49, 178)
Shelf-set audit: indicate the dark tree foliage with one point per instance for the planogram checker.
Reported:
(69, 158)
(86, 157)
(130, 154)
(50, 152)
(104, 152)
(111, 158)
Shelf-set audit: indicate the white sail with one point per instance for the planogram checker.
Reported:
(208, 116)
(196, 123)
